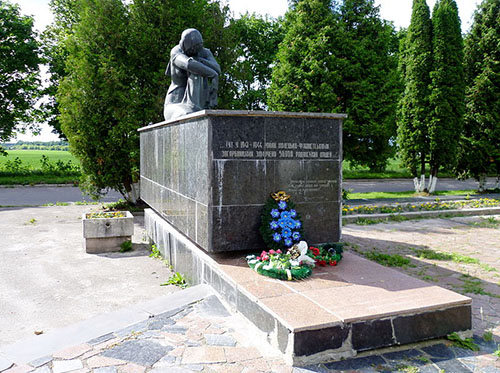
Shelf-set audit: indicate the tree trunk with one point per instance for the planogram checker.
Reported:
(482, 182)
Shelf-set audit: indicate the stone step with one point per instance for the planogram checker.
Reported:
(340, 311)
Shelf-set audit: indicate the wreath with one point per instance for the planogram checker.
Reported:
(289, 257)
(281, 225)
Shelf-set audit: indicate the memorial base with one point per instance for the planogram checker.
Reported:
(337, 313)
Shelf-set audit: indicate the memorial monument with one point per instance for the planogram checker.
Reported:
(206, 174)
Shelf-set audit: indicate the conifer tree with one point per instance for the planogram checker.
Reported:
(480, 145)
(306, 76)
(340, 57)
(413, 113)
(94, 101)
(447, 89)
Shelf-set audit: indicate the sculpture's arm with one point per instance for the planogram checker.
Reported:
(207, 58)
(193, 66)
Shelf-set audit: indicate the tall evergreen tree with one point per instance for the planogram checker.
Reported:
(341, 57)
(447, 89)
(306, 76)
(413, 113)
(480, 145)
(370, 83)
(94, 101)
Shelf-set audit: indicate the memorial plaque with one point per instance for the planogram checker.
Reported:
(210, 173)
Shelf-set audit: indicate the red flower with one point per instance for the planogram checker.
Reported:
(272, 252)
(333, 262)
(321, 263)
(314, 250)
(278, 251)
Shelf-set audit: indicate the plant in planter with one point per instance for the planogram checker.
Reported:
(107, 231)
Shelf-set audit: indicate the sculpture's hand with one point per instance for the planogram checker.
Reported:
(194, 66)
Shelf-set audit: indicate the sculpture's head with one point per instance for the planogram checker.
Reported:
(191, 41)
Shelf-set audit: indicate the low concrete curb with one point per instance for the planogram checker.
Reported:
(349, 219)
(27, 350)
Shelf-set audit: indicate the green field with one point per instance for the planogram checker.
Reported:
(32, 157)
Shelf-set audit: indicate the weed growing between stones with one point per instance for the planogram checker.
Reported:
(126, 246)
(388, 260)
(488, 336)
(473, 285)
(155, 252)
(436, 255)
(466, 343)
(176, 279)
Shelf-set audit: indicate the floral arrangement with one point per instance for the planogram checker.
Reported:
(327, 254)
(289, 257)
(284, 266)
(281, 226)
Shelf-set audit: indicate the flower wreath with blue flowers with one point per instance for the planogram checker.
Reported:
(281, 226)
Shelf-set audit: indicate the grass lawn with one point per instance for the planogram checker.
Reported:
(32, 157)
(410, 194)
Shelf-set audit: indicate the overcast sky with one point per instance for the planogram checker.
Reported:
(397, 11)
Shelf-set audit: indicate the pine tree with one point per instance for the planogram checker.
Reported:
(413, 113)
(370, 84)
(305, 77)
(480, 144)
(447, 89)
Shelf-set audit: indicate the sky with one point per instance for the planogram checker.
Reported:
(397, 11)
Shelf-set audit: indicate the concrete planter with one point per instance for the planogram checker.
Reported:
(104, 235)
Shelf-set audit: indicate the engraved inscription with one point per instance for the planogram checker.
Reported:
(260, 149)
(311, 185)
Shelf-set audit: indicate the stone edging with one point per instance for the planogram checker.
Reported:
(349, 219)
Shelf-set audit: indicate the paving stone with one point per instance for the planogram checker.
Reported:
(183, 313)
(160, 323)
(178, 351)
(489, 370)
(429, 369)
(72, 352)
(131, 368)
(103, 361)
(174, 329)
(62, 366)
(192, 344)
(40, 361)
(469, 362)
(20, 368)
(44, 369)
(488, 347)
(454, 366)
(105, 370)
(170, 370)
(220, 340)
(101, 339)
(150, 334)
(5, 363)
(228, 368)
(462, 352)
(142, 352)
(367, 363)
(194, 367)
(203, 355)
(238, 354)
(438, 352)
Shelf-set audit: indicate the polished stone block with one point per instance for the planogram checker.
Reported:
(210, 173)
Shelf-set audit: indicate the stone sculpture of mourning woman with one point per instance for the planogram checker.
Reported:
(195, 77)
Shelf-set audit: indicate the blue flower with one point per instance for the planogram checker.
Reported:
(286, 232)
(282, 205)
(298, 224)
(285, 215)
(276, 237)
(288, 242)
(296, 236)
(293, 213)
(290, 223)
(274, 225)
(275, 213)
(282, 223)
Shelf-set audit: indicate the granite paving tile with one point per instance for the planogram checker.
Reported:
(63, 366)
(141, 352)
(72, 352)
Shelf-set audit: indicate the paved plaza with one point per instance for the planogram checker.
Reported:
(88, 306)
